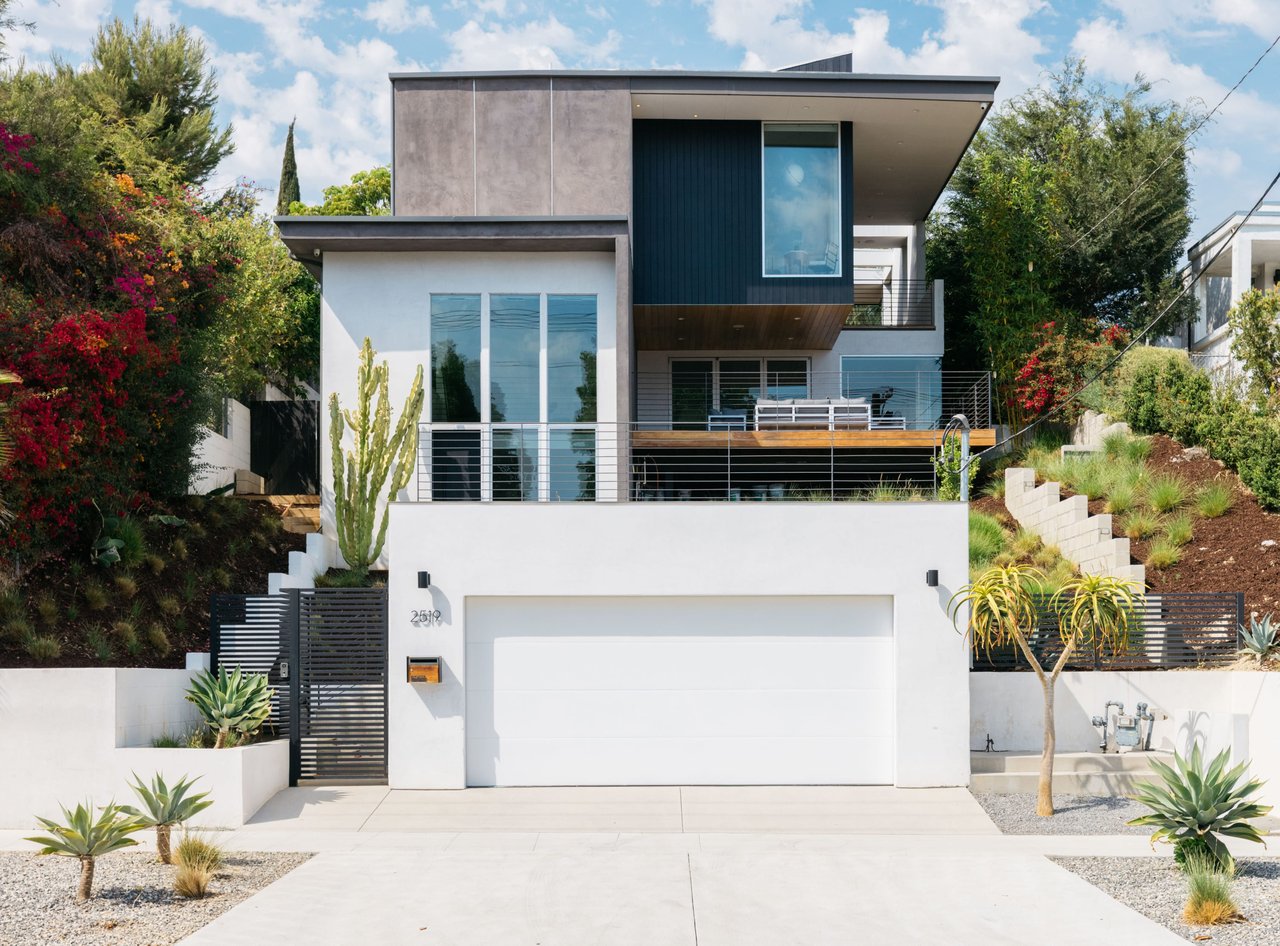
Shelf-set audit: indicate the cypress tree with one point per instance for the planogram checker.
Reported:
(288, 192)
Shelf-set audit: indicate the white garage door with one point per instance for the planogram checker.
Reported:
(679, 691)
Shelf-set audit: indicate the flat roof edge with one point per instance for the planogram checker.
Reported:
(789, 76)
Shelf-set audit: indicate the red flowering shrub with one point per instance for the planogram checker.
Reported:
(1059, 365)
(103, 311)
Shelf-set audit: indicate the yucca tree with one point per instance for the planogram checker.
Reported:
(380, 451)
(88, 838)
(163, 807)
(1093, 611)
(231, 702)
(1195, 805)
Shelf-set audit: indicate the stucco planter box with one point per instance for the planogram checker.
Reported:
(239, 780)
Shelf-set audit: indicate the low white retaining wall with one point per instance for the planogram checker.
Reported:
(1221, 708)
(73, 734)
(319, 557)
(1083, 539)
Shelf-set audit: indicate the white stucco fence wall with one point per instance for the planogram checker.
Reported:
(1220, 708)
(678, 549)
(73, 734)
(219, 457)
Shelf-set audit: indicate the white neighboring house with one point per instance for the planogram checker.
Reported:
(1249, 260)
(224, 449)
(615, 283)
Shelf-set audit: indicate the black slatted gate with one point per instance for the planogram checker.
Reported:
(324, 651)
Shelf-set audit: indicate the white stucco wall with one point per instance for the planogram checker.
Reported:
(660, 549)
(1220, 708)
(219, 457)
(386, 297)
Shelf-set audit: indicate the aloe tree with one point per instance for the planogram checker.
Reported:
(88, 838)
(1093, 611)
(379, 452)
(163, 807)
(231, 702)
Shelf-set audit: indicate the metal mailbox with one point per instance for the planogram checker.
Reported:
(423, 669)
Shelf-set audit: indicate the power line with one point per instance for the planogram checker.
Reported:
(1187, 137)
(1145, 330)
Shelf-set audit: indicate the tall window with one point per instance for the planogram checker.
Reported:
(571, 358)
(908, 387)
(513, 358)
(455, 358)
(802, 200)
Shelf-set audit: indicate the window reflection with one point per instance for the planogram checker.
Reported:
(455, 358)
(513, 358)
(571, 358)
(909, 387)
(802, 200)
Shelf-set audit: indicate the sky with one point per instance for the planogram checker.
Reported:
(327, 63)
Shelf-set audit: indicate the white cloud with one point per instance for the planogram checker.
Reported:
(532, 45)
(1224, 162)
(1204, 18)
(159, 12)
(62, 27)
(396, 16)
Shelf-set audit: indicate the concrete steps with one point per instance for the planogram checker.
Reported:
(1074, 773)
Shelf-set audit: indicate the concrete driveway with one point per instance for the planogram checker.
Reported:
(659, 866)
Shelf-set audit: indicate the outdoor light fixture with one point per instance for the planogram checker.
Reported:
(931, 578)
(424, 579)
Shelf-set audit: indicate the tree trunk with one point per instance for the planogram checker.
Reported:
(162, 843)
(1044, 792)
(84, 889)
(221, 741)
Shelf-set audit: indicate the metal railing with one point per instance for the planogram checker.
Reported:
(1168, 631)
(899, 304)
(595, 462)
(711, 394)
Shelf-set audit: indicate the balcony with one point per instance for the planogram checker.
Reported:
(905, 304)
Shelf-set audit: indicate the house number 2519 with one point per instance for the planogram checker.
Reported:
(424, 618)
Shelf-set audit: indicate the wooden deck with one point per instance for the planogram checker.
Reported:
(800, 439)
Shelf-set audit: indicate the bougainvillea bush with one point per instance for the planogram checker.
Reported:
(1059, 365)
(107, 291)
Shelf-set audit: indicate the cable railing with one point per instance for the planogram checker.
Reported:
(599, 462)
(781, 393)
(896, 304)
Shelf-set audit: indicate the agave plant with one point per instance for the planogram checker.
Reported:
(1197, 806)
(1259, 638)
(163, 807)
(88, 838)
(231, 702)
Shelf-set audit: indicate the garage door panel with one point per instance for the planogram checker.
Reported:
(666, 662)
(653, 713)
(850, 760)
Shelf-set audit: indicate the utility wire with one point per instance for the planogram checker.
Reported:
(1114, 360)
(1172, 154)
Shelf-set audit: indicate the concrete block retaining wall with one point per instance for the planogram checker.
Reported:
(321, 554)
(1083, 539)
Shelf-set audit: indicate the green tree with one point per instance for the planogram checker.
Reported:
(1255, 340)
(9, 23)
(1071, 206)
(368, 195)
(288, 192)
(161, 81)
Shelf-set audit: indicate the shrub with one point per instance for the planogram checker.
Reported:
(18, 628)
(43, 647)
(192, 882)
(1140, 525)
(1208, 892)
(221, 578)
(83, 836)
(162, 806)
(1214, 500)
(986, 538)
(1178, 529)
(1195, 801)
(95, 596)
(155, 563)
(231, 702)
(1166, 493)
(1025, 543)
(947, 465)
(190, 587)
(1163, 554)
(11, 604)
(47, 609)
(169, 605)
(127, 586)
(129, 532)
(1121, 497)
(179, 549)
(1047, 557)
(994, 489)
(195, 850)
(158, 638)
(125, 632)
(1091, 478)
(357, 578)
(99, 644)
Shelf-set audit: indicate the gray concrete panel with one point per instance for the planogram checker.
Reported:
(591, 146)
(434, 160)
(513, 146)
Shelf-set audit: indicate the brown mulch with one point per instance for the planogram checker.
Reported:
(228, 544)
(1225, 554)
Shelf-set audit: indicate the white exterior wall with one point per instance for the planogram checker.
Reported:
(1220, 708)
(678, 549)
(222, 456)
(386, 297)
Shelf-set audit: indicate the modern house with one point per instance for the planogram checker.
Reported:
(1249, 259)
(643, 300)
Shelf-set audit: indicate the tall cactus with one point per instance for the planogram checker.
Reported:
(360, 474)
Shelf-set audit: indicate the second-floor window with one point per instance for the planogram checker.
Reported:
(801, 199)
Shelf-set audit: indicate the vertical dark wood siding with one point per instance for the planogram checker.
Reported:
(697, 218)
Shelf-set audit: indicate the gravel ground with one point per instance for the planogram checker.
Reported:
(133, 900)
(1154, 887)
(1075, 814)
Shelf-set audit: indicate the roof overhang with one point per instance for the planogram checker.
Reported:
(309, 238)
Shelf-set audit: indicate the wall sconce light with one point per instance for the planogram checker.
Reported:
(424, 579)
(931, 578)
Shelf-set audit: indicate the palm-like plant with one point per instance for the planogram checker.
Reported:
(1259, 638)
(1093, 610)
(231, 702)
(1197, 807)
(86, 837)
(163, 807)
